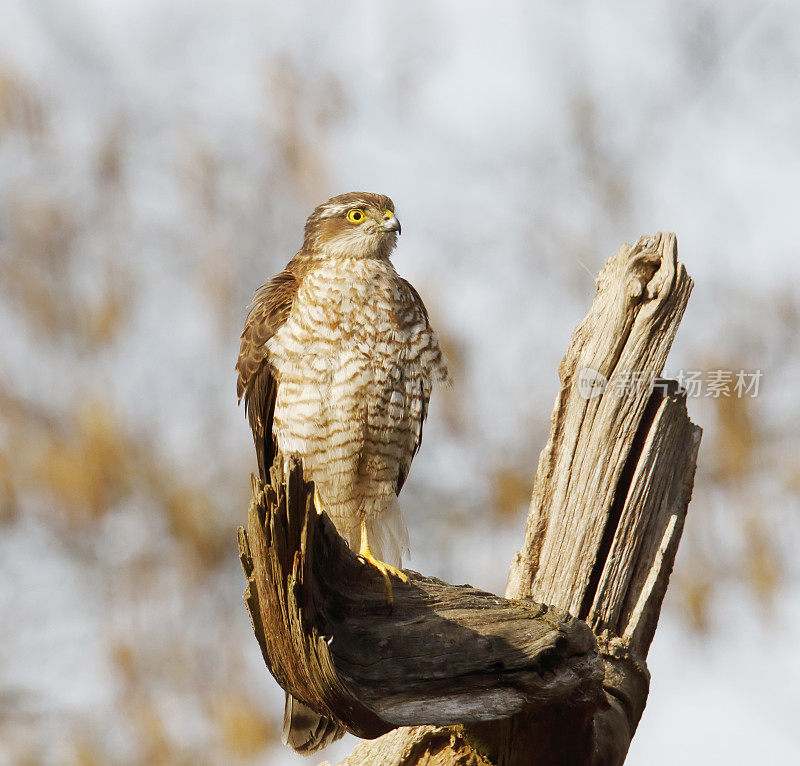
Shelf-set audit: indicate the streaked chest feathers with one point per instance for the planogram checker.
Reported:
(355, 363)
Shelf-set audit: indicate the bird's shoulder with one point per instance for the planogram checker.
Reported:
(412, 297)
(270, 308)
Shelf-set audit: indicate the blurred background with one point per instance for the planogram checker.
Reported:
(157, 163)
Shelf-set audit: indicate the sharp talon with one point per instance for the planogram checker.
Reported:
(384, 568)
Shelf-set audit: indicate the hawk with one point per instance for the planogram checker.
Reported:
(336, 366)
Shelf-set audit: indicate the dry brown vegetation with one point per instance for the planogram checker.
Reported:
(79, 459)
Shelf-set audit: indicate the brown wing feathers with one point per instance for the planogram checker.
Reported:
(406, 466)
(256, 381)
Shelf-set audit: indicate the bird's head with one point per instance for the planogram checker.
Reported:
(353, 225)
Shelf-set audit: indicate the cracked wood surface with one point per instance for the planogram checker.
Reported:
(442, 654)
(610, 497)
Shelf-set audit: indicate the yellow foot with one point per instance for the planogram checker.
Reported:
(384, 568)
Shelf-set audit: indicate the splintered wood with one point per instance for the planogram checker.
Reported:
(610, 497)
(441, 654)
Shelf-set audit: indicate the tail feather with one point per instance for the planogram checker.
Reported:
(305, 730)
(386, 530)
(388, 535)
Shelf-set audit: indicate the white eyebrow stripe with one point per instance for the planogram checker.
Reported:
(331, 210)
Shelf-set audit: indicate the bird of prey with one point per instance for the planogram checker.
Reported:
(336, 366)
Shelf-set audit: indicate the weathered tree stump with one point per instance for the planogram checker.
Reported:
(441, 654)
(522, 681)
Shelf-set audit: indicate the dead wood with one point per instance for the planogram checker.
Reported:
(610, 497)
(521, 680)
(441, 654)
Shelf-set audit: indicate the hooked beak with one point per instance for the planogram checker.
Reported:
(392, 224)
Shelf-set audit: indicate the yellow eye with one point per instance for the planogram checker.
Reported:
(388, 214)
(355, 216)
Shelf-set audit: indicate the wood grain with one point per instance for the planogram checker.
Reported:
(610, 497)
(442, 654)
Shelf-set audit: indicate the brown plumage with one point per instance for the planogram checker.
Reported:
(336, 366)
(256, 380)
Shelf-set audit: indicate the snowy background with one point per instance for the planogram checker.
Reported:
(157, 162)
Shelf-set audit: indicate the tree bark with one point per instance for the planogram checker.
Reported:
(440, 654)
(507, 681)
(609, 502)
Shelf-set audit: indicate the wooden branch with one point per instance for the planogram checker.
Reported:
(610, 498)
(584, 469)
(442, 654)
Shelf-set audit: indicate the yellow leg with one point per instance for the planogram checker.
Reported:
(384, 568)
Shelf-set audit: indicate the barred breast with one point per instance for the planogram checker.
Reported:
(355, 364)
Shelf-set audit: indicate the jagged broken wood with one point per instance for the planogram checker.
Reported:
(610, 497)
(522, 681)
(442, 654)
